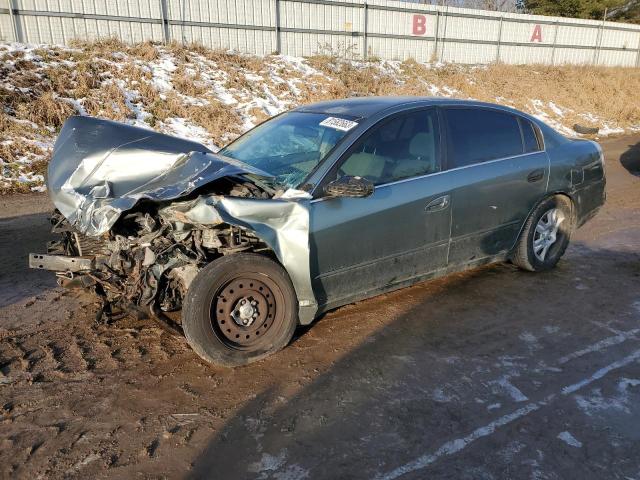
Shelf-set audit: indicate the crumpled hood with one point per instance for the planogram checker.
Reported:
(100, 169)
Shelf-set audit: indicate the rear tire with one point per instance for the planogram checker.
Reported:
(239, 309)
(545, 235)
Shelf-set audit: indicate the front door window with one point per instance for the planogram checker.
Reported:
(403, 147)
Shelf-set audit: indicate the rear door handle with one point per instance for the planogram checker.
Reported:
(438, 204)
(535, 176)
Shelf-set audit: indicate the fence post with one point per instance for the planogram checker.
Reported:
(435, 46)
(596, 54)
(165, 21)
(276, 8)
(638, 55)
(365, 19)
(15, 24)
(499, 40)
(553, 47)
(444, 34)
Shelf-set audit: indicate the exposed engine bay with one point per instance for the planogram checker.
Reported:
(147, 260)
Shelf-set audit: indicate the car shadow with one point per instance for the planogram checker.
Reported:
(429, 374)
(20, 236)
(630, 159)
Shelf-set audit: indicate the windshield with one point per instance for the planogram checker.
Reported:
(291, 145)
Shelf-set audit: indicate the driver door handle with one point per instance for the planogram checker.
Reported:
(438, 204)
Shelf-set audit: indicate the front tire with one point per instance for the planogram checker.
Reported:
(239, 309)
(545, 235)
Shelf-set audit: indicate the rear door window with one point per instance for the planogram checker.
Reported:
(479, 135)
(529, 137)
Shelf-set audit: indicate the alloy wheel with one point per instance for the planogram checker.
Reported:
(546, 233)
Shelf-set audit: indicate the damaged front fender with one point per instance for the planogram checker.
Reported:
(281, 224)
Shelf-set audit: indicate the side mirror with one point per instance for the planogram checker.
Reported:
(348, 186)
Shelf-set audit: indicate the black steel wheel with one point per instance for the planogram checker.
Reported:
(239, 309)
(245, 309)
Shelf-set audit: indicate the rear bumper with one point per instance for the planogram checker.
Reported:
(589, 200)
(61, 263)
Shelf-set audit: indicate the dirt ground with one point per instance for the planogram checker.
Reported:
(495, 373)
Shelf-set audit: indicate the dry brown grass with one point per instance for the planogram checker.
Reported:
(14, 188)
(146, 51)
(97, 76)
(610, 93)
(104, 47)
(55, 55)
(179, 51)
(147, 93)
(132, 72)
(227, 60)
(46, 109)
(188, 84)
(237, 80)
(86, 78)
(109, 102)
(216, 118)
(160, 108)
(13, 148)
(613, 94)
(258, 114)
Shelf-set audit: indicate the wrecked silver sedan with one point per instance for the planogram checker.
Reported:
(318, 207)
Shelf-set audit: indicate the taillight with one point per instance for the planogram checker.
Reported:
(600, 152)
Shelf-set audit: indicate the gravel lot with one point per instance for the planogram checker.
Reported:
(495, 373)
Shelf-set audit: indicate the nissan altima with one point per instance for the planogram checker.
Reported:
(315, 208)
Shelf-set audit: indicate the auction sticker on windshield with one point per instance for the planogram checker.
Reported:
(338, 123)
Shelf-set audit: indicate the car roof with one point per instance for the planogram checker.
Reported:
(364, 107)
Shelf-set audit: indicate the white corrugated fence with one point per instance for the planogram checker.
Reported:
(385, 29)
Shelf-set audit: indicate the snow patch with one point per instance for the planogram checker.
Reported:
(555, 109)
(161, 72)
(439, 395)
(183, 128)
(274, 466)
(514, 392)
(596, 402)
(569, 439)
(538, 110)
(454, 446)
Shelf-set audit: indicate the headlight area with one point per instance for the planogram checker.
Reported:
(144, 264)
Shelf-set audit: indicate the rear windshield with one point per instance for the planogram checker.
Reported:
(291, 145)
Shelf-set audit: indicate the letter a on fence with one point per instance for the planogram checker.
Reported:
(537, 34)
(419, 24)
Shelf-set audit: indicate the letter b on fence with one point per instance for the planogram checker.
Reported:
(419, 24)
